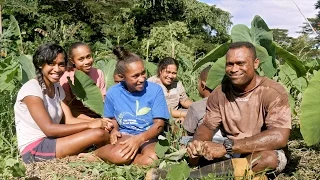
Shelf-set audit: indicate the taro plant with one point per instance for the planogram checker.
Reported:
(261, 36)
(310, 114)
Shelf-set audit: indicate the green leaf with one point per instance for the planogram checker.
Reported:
(300, 83)
(291, 59)
(175, 156)
(213, 55)
(143, 111)
(86, 90)
(216, 73)
(107, 66)
(27, 67)
(162, 146)
(259, 23)
(265, 61)
(151, 68)
(310, 114)
(254, 35)
(18, 170)
(179, 171)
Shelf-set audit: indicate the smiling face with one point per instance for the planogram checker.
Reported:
(82, 58)
(168, 74)
(52, 72)
(240, 68)
(135, 76)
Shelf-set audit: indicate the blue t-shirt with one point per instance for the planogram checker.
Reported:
(135, 111)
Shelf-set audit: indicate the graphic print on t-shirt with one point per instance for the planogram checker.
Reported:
(138, 121)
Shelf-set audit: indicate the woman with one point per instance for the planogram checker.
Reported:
(80, 58)
(39, 110)
(173, 89)
(138, 111)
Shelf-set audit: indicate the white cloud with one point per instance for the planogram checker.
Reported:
(276, 13)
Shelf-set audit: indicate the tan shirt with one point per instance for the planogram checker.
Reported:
(173, 94)
(247, 114)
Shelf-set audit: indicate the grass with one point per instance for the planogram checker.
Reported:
(304, 162)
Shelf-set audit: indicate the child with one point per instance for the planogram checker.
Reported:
(138, 111)
(39, 109)
(173, 89)
(80, 57)
(197, 111)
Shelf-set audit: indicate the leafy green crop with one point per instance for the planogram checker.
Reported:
(310, 112)
(261, 37)
(86, 90)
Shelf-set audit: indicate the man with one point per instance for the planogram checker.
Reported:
(197, 110)
(253, 111)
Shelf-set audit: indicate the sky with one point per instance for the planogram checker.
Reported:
(282, 14)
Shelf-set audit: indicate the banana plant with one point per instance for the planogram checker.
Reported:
(262, 38)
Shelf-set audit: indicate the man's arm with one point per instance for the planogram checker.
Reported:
(275, 138)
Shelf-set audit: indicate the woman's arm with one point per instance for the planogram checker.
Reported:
(153, 131)
(70, 119)
(186, 103)
(40, 115)
(178, 113)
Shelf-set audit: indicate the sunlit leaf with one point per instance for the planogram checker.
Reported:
(179, 171)
(175, 156)
(216, 73)
(213, 55)
(162, 146)
(310, 112)
(87, 91)
(107, 66)
(291, 60)
(27, 67)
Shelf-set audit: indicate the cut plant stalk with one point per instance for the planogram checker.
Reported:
(237, 168)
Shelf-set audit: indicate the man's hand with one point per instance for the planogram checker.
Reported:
(114, 135)
(130, 147)
(212, 150)
(195, 148)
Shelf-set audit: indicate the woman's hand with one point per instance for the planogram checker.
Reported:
(98, 123)
(131, 147)
(114, 135)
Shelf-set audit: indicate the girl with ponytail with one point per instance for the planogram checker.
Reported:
(39, 110)
(138, 111)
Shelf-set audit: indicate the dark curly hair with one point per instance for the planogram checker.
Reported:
(46, 54)
(165, 62)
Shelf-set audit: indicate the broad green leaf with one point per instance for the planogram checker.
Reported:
(18, 170)
(107, 66)
(179, 171)
(175, 156)
(240, 32)
(300, 83)
(162, 146)
(27, 67)
(151, 68)
(213, 55)
(143, 111)
(86, 90)
(258, 22)
(291, 59)
(254, 35)
(310, 112)
(265, 61)
(8, 76)
(216, 73)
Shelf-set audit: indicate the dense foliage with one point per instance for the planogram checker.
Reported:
(193, 32)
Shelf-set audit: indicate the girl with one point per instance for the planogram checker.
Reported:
(80, 57)
(173, 89)
(138, 111)
(39, 109)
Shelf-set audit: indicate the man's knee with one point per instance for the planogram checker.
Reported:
(263, 160)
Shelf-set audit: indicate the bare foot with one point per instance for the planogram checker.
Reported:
(89, 157)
